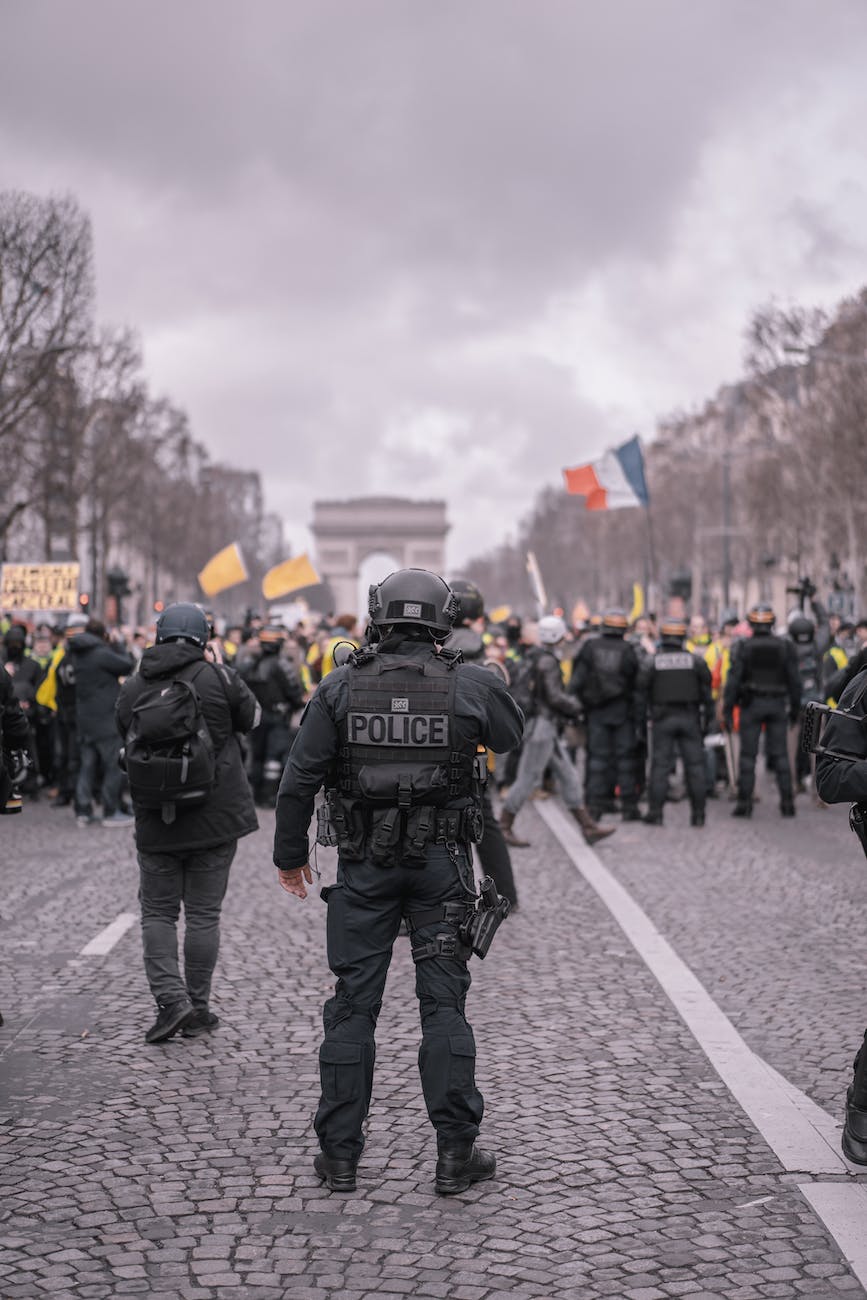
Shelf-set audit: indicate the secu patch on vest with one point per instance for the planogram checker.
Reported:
(415, 730)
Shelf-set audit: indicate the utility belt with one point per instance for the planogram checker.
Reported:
(389, 835)
(763, 693)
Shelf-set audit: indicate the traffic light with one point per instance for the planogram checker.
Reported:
(158, 606)
(84, 601)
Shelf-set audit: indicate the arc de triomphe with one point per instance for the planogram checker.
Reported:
(345, 533)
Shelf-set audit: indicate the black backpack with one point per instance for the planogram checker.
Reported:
(523, 684)
(169, 755)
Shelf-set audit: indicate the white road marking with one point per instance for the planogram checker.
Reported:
(804, 1137)
(103, 942)
(842, 1207)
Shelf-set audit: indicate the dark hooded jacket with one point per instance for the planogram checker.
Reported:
(97, 669)
(229, 709)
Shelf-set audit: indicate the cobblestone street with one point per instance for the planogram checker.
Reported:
(626, 1167)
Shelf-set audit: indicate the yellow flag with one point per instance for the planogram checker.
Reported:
(637, 602)
(225, 569)
(500, 614)
(289, 576)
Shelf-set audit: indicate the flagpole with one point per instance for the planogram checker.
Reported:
(651, 551)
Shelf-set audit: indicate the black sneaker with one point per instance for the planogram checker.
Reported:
(787, 808)
(743, 808)
(337, 1174)
(202, 1023)
(697, 817)
(171, 1017)
(652, 818)
(459, 1166)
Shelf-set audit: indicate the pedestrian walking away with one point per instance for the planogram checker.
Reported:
(180, 717)
(393, 736)
(543, 746)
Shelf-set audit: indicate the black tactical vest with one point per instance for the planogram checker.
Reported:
(607, 676)
(398, 741)
(675, 679)
(765, 665)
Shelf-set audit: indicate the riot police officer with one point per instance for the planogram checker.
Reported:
(604, 678)
(393, 734)
(764, 681)
(675, 693)
(841, 779)
(467, 637)
(279, 692)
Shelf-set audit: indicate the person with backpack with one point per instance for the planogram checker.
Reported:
(180, 717)
(538, 691)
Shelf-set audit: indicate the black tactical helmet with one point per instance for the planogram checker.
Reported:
(413, 597)
(184, 622)
(471, 602)
(802, 629)
(614, 622)
(761, 618)
(672, 629)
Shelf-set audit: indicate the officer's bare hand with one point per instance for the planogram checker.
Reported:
(293, 881)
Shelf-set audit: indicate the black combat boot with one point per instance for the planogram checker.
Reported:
(743, 807)
(171, 1016)
(653, 817)
(338, 1174)
(507, 821)
(854, 1140)
(631, 813)
(593, 832)
(787, 807)
(460, 1165)
(203, 1022)
(697, 817)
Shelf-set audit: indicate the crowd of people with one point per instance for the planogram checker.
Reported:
(592, 695)
(409, 723)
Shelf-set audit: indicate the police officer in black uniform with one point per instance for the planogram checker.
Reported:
(393, 735)
(842, 779)
(279, 692)
(605, 678)
(764, 681)
(493, 850)
(675, 693)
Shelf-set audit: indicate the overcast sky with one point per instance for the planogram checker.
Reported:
(443, 249)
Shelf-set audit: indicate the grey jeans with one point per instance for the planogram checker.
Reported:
(198, 879)
(543, 746)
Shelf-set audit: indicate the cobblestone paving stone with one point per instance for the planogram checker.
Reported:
(765, 912)
(625, 1168)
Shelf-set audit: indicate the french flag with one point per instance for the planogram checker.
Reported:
(614, 482)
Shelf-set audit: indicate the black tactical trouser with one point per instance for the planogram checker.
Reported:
(67, 759)
(611, 748)
(770, 711)
(677, 731)
(365, 908)
(270, 743)
(494, 854)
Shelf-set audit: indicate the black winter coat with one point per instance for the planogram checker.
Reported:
(14, 731)
(228, 708)
(97, 669)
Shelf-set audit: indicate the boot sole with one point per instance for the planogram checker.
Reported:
(849, 1152)
(454, 1186)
